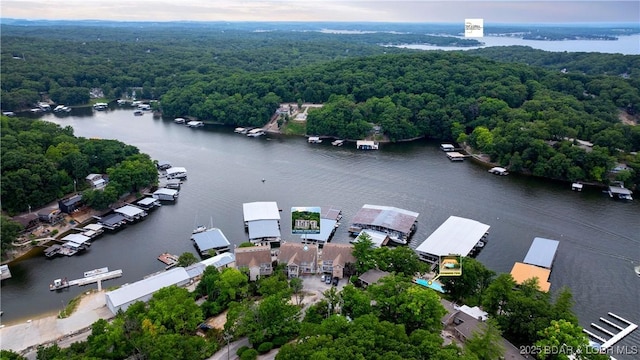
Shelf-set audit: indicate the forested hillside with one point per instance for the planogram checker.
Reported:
(522, 116)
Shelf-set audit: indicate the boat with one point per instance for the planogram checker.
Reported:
(637, 270)
(199, 229)
(52, 251)
(240, 130)
(447, 147)
(138, 113)
(576, 186)
(337, 142)
(61, 108)
(95, 272)
(59, 284)
(366, 145)
(195, 124)
(314, 140)
(101, 106)
(499, 171)
(179, 120)
(255, 132)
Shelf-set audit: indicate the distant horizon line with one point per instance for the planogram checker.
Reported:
(570, 23)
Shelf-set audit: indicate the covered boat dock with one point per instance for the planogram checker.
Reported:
(211, 239)
(329, 222)
(398, 223)
(522, 272)
(456, 236)
(542, 252)
(260, 210)
(131, 213)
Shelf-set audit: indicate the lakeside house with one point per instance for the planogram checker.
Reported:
(256, 259)
(300, 259)
(70, 204)
(96, 181)
(335, 257)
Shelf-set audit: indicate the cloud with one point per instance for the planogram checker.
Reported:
(325, 10)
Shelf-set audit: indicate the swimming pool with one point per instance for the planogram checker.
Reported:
(435, 285)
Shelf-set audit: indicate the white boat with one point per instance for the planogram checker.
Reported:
(199, 229)
(240, 130)
(499, 171)
(101, 106)
(447, 147)
(179, 120)
(194, 124)
(61, 108)
(96, 272)
(255, 132)
(576, 186)
(337, 142)
(314, 140)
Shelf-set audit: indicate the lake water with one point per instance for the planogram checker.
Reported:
(627, 45)
(599, 237)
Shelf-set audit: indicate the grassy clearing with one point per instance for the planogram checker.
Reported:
(294, 128)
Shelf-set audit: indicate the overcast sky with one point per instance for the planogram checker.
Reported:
(512, 11)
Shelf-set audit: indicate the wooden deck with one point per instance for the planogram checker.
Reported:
(168, 259)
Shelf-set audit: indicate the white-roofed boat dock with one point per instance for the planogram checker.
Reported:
(456, 236)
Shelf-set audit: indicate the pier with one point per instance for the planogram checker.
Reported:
(94, 276)
(622, 332)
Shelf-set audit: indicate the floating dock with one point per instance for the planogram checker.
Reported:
(168, 259)
(90, 277)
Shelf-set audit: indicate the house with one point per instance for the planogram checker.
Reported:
(28, 221)
(335, 257)
(125, 296)
(71, 204)
(96, 181)
(50, 216)
(371, 277)
(256, 259)
(458, 322)
(300, 259)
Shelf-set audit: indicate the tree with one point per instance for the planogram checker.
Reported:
(174, 309)
(9, 231)
(296, 287)
(565, 341)
(187, 259)
(363, 251)
(354, 302)
(468, 287)
(486, 344)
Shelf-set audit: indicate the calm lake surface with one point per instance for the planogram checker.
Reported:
(599, 237)
(627, 45)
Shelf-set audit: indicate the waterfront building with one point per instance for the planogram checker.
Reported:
(300, 259)
(398, 223)
(212, 239)
(335, 257)
(256, 259)
(456, 236)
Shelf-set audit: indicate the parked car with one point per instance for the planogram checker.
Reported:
(327, 279)
(335, 281)
(322, 278)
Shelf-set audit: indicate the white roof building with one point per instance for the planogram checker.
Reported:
(131, 212)
(220, 261)
(122, 298)
(456, 236)
(261, 210)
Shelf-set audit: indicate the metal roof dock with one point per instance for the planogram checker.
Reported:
(398, 223)
(456, 236)
(542, 252)
(260, 210)
(329, 217)
(264, 230)
(131, 212)
(211, 239)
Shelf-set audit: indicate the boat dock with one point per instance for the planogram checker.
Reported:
(616, 325)
(168, 259)
(90, 277)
